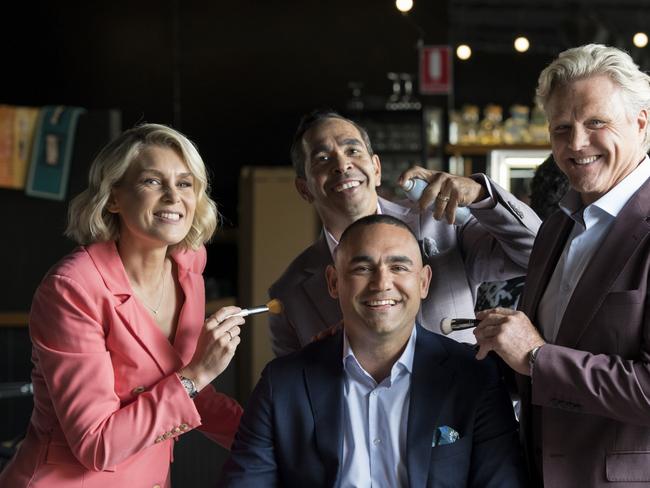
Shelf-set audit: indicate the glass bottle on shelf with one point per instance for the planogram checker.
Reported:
(538, 127)
(490, 129)
(515, 128)
(393, 101)
(455, 122)
(468, 128)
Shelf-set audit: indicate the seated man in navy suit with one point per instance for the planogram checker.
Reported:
(384, 402)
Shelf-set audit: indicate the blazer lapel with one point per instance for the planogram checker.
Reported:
(133, 315)
(539, 273)
(429, 387)
(193, 311)
(151, 339)
(625, 235)
(324, 384)
(315, 284)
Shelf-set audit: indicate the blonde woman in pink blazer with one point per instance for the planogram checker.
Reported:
(123, 358)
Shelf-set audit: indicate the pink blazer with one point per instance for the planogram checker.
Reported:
(107, 402)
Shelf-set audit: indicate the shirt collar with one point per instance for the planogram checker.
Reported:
(615, 199)
(405, 360)
(331, 240)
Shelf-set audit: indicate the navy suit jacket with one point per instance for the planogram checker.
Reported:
(291, 432)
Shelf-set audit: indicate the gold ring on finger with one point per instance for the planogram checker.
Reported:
(442, 198)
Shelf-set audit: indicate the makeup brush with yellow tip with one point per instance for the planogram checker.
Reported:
(274, 306)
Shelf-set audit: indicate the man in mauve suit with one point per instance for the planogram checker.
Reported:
(383, 402)
(581, 342)
(337, 172)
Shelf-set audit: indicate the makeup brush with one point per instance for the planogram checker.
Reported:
(447, 326)
(273, 306)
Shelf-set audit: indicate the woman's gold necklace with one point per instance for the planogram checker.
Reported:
(162, 294)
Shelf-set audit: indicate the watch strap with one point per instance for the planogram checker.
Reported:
(532, 357)
(189, 386)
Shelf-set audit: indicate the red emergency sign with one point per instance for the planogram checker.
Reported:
(435, 70)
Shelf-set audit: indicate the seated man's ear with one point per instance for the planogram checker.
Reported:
(332, 281)
(303, 189)
(377, 165)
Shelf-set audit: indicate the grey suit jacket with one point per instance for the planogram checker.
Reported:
(493, 245)
(586, 416)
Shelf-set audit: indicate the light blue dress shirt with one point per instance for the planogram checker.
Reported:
(374, 422)
(591, 224)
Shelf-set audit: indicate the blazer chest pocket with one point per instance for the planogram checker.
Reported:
(618, 325)
(627, 297)
(448, 450)
(628, 466)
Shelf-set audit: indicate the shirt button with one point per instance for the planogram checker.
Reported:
(376, 442)
(373, 392)
(137, 390)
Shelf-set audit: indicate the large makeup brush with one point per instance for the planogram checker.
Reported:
(447, 326)
(273, 306)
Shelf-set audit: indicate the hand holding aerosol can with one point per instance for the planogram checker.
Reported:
(414, 187)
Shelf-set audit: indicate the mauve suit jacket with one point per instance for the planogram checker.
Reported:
(589, 424)
(291, 433)
(493, 245)
(108, 405)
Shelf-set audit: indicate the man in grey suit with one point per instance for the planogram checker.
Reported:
(337, 172)
(581, 342)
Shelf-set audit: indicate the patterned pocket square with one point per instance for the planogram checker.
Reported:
(444, 435)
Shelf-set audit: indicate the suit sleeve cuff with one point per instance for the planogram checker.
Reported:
(487, 202)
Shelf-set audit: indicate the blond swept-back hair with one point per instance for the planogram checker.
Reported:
(90, 221)
(598, 60)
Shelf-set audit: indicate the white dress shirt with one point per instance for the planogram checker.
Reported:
(591, 224)
(375, 417)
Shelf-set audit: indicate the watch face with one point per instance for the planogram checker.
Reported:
(189, 387)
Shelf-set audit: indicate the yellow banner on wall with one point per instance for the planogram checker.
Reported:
(17, 126)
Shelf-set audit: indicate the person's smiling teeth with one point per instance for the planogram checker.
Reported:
(345, 186)
(586, 160)
(169, 215)
(379, 303)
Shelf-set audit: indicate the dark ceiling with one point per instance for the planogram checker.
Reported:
(237, 76)
(550, 25)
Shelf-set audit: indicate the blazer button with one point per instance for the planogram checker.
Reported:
(177, 430)
(137, 390)
(158, 439)
(156, 486)
(184, 426)
(167, 435)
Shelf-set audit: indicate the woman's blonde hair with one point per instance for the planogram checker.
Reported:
(88, 218)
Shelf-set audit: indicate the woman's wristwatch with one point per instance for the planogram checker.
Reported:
(189, 386)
